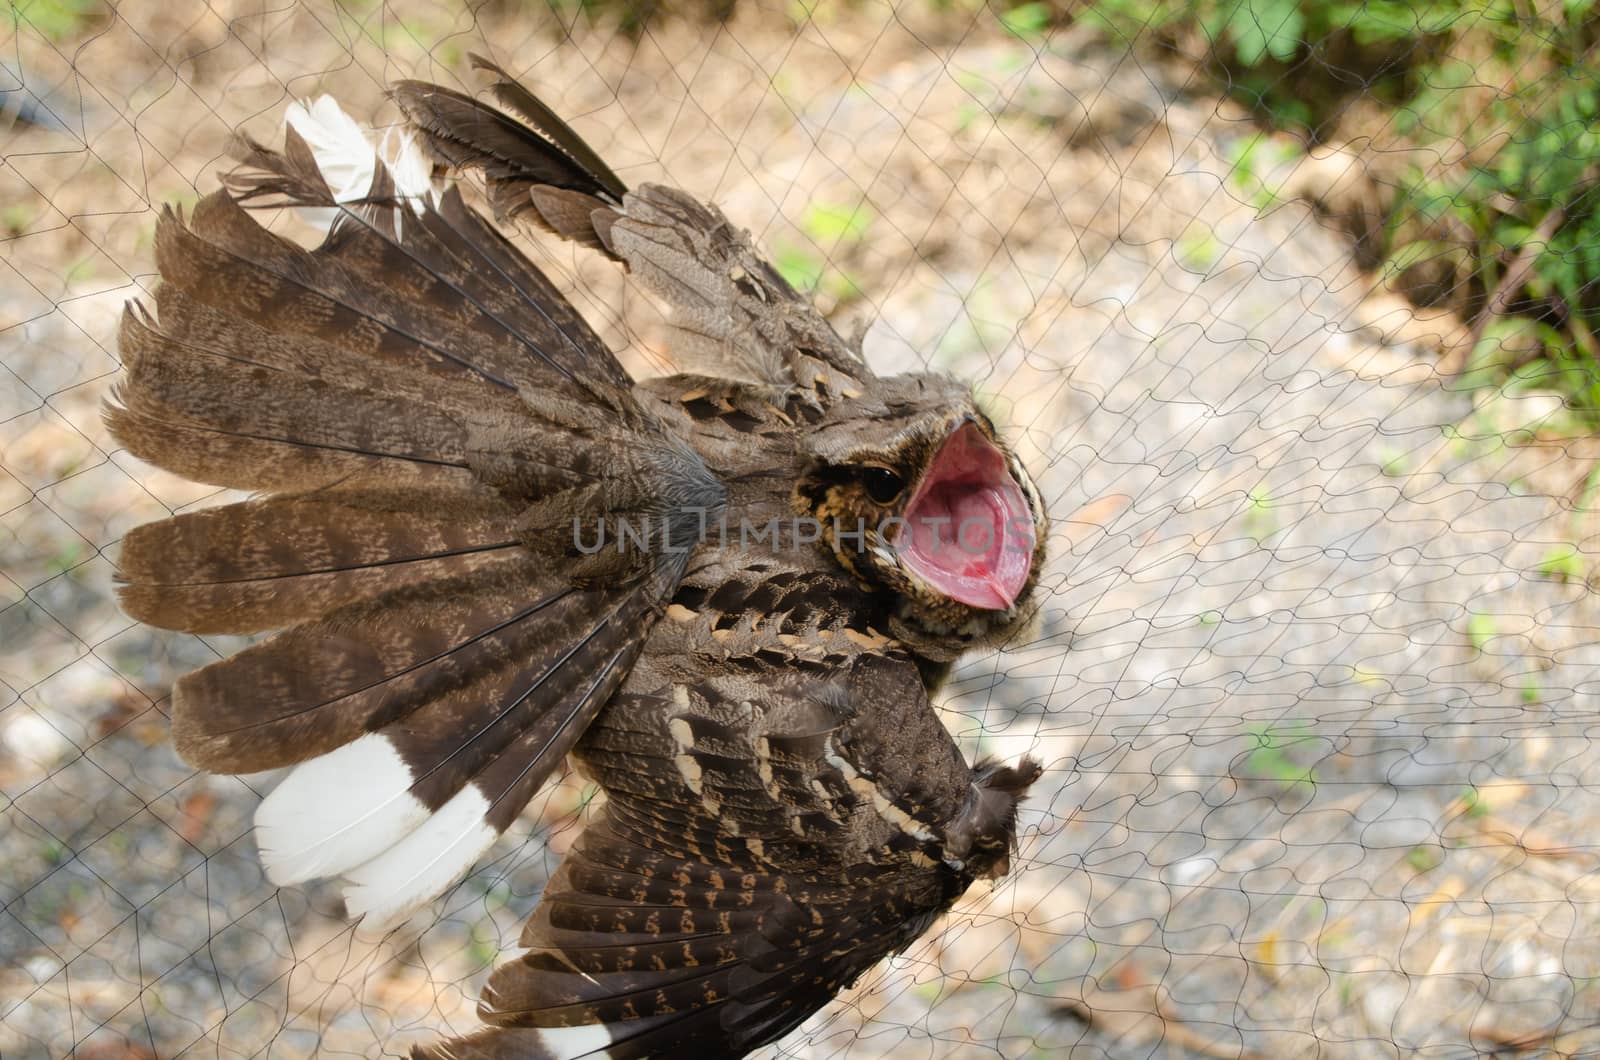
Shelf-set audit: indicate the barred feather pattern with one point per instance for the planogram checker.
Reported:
(734, 315)
(769, 836)
(425, 423)
(432, 667)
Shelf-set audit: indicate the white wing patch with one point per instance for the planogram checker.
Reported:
(568, 1043)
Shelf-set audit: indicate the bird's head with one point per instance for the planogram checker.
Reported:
(918, 496)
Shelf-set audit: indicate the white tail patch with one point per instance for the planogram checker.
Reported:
(335, 811)
(422, 864)
(347, 156)
(338, 142)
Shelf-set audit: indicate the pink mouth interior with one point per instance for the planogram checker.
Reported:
(970, 533)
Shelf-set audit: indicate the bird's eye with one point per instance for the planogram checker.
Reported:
(883, 485)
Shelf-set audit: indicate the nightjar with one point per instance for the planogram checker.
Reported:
(481, 547)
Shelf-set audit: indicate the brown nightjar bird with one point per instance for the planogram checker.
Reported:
(481, 547)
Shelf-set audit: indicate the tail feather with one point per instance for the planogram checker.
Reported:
(480, 811)
(268, 563)
(152, 431)
(532, 110)
(325, 682)
(424, 416)
(541, 308)
(585, 638)
(522, 1043)
(421, 798)
(444, 258)
(426, 861)
(225, 259)
(185, 330)
(539, 149)
(237, 400)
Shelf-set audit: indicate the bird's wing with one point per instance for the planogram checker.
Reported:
(733, 314)
(421, 416)
(772, 830)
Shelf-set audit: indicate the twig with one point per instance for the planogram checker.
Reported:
(1500, 300)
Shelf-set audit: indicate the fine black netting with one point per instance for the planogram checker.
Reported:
(1290, 309)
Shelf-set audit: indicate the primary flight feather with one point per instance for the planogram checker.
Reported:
(480, 546)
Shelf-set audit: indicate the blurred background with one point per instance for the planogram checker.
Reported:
(1292, 307)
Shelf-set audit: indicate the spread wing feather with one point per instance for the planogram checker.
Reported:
(540, 154)
(734, 315)
(680, 920)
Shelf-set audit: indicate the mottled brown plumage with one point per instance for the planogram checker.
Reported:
(446, 461)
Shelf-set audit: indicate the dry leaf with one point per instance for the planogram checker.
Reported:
(196, 810)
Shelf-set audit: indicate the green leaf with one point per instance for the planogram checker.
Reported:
(1481, 629)
(1425, 858)
(827, 223)
(1416, 252)
(1563, 562)
(1285, 39)
(1393, 463)
(1027, 20)
(1249, 39)
(58, 20)
(799, 266)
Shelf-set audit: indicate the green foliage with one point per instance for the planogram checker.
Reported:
(1481, 629)
(1507, 97)
(809, 273)
(1347, 990)
(1260, 516)
(1028, 21)
(79, 272)
(14, 218)
(59, 20)
(1257, 38)
(1537, 194)
(1565, 563)
(1394, 463)
(1260, 164)
(69, 553)
(828, 228)
(831, 224)
(1474, 803)
(1425, 858)
(1197, 248)
(1277, 753)
(799, 265)
(483, 948)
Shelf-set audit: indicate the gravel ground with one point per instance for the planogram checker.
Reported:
(1313, 677)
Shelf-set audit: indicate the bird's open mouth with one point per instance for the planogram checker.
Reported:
(969, 531)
